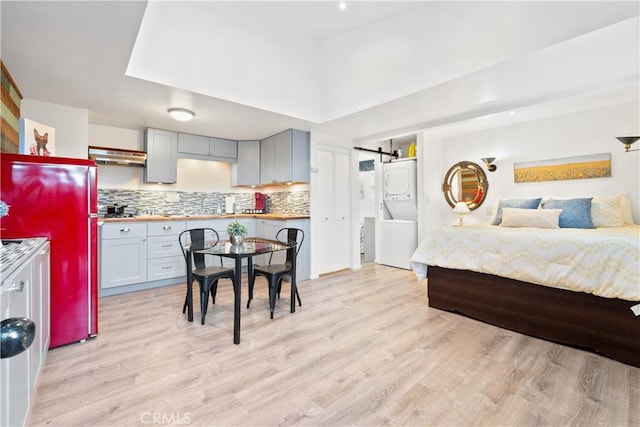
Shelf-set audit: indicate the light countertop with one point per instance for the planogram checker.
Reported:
(15, 252)
(146, 218)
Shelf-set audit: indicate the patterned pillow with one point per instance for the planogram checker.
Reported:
(514, 203)
(606, 211)
(576, 213)
(538, 218)
(625, 207)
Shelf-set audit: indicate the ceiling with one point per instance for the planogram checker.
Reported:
(77, 54)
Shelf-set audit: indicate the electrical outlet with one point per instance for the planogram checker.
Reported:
(173, 197)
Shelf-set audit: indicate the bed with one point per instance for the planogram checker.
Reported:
(579, 287)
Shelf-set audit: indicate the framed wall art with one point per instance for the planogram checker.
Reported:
(578, 167)
(36, 139)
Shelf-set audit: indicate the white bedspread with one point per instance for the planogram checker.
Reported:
(601, 261)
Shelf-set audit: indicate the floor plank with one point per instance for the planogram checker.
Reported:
(363, 350)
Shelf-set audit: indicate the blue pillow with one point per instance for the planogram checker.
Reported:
(576, 213)
(515, 203)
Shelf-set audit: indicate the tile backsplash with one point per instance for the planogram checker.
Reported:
(195, 203)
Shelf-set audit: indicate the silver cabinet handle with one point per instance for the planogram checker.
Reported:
(166, 227)
(167, 268)
(17, 287)
(125, 230)
(168, 246)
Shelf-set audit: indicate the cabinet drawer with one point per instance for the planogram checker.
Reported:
(166, 268)
(163, 246)
(123, 230)
(166, 228)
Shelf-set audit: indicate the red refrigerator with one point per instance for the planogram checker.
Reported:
(57, 198)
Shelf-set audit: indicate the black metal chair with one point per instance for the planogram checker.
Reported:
(207, 276)
(274, 273)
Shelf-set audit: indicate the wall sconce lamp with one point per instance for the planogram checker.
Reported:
(627, 141)
(462, 209)
(181, 114)
(489, 162)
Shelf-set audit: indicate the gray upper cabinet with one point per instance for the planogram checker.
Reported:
(162, 160)
(246, 171)
(205, 146)
(285, 157)
(268, 160)
(193, 144)
(225, 148)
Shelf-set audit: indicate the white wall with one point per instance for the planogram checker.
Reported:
(70, 124)
(586, 132)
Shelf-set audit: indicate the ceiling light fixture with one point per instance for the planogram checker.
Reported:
(342, 5)
(181, 114)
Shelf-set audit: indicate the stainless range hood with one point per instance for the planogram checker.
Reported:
(117, 156)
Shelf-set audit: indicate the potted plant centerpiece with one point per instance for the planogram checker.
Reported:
(236, 232)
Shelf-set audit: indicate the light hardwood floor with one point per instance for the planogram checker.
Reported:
(363, 350)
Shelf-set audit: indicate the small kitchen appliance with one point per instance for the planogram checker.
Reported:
(261, 203)
(229, 204)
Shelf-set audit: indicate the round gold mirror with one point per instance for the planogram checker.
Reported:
(465, 182)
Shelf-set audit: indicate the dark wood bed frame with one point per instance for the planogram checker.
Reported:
(604, 325)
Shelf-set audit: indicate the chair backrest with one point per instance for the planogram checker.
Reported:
(199, 237)
(289, 235)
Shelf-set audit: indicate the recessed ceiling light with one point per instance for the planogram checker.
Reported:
(342, 5)
(181, 114)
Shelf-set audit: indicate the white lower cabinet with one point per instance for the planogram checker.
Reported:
(123, 254)
(40, 311)
(15, 370)
(139, 255)
(268, 229)
(25, 294)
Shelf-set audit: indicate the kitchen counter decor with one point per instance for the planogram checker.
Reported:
(236, 232)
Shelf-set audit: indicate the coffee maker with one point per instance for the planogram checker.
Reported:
(261, 203)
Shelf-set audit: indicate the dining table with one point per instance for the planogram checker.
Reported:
(249, 248)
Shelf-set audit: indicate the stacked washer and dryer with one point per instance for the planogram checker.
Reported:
(399, 227)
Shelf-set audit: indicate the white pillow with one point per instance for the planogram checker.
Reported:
(625, 207)
(537, 218)
(606, 211)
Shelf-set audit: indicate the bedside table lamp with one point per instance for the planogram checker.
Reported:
(462, 209)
